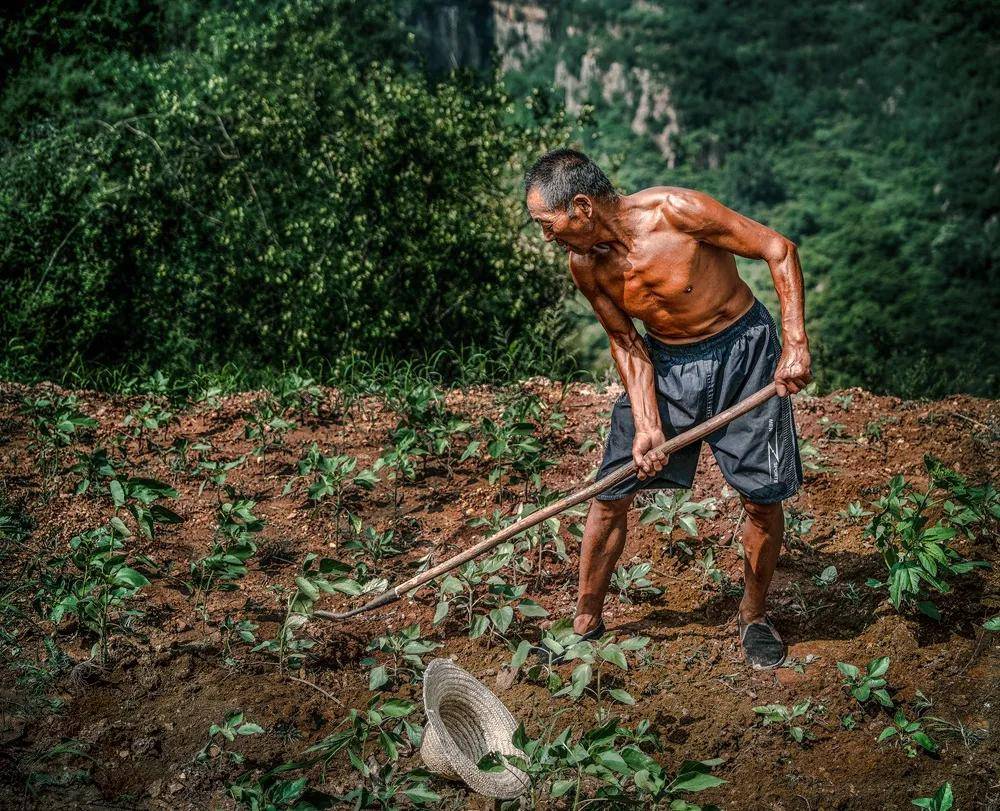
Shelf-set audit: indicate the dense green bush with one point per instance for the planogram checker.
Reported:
(266, 195)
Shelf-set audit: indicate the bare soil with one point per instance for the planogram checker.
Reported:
(142, 721)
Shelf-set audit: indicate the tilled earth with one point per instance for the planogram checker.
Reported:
(137, 725)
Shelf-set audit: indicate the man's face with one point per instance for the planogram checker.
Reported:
(570, 233)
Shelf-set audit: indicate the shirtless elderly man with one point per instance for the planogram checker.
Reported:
(664, 255)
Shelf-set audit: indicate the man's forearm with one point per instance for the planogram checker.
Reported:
(636, 370)
(787, 276)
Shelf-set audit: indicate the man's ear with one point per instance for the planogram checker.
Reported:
(584, 203)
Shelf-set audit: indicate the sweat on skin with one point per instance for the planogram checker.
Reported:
(665, 255)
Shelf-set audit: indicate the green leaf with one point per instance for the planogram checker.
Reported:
(612, 653)
(421, 794)
(848, 670)
(878, 667)
(521, 654)
(993, 623)
(249, 729)
(378, 678)
(560, 787)
(695, 781)
(396, 708)
(117, 492)
(930, 609)
(621, 696)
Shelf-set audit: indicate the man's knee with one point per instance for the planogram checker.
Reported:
(763, 514)
(613, 507)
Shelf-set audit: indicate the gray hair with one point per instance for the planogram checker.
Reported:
(562, 173)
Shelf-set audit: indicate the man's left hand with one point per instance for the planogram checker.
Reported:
(794, 369)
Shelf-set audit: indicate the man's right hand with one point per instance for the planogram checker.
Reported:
(648, 463)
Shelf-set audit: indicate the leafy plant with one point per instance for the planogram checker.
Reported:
(916, 552)
(266, 425)
(632, 584)
(139, 496)
(593, 656)
(226, 732)
(826, 578)
(230, 630)
(942, 800)
(369, 541)
(869, 684)
(55, 422)
(490, 609)
(908, 734)
(234, 545)
(400, 656)
(795, 718)
(609, 757)
(673, 508)
(92, 468)
(98, 587)
(148, 418)
(330, 476)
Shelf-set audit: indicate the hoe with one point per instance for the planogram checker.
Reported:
(582, 494)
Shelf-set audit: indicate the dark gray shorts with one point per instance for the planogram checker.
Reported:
(758, 453)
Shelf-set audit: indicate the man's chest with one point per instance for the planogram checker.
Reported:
(659, 273)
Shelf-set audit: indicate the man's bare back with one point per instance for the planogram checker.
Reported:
(682, 289)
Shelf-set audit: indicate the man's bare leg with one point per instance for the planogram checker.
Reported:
(762, 534)
(603, 541)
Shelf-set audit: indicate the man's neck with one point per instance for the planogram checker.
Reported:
(611, 229)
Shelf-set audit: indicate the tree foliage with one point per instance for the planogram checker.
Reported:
(268, 192)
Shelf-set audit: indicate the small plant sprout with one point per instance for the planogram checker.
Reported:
(56, 423)
(916, 552)
(235, 631)
(908, 734)
(870, 684)
(369, 541)
(610, 756)
(826, 578)
(942, 800)
(632, 584)
(673, 508)
(99, 589)
(266, 425)
(139, 497)
(221, 734)
(854, 511)
(795, 718)
(397, 658)
(812, 459)
(485, 610)
(831, 429)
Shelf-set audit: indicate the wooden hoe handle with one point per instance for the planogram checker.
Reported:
(584, 493)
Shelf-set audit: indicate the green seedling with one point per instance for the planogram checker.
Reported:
(316, 576)
(233, 547)
(139, 497)
(673, 508)
(811, 457)
(226, 732)
(490, 610)
(93, 469)
(854, 511)
(397, 658)
(632, 584)
(330, 476)
(386, 785)
(303, 394)
(266, 425)
(908, 734)
(915, 551)
(216, 472)
(593, 655)
(98, 587)
(146, 420)
(831, 429)
(382, 727)
(612, 757)
(369, 541)
(843, 400)
(56, 423)
(795, 719)
(826, 578)
(942, 800)
(868, 685)
(235, 631)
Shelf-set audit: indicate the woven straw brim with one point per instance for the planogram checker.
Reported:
(464, 722)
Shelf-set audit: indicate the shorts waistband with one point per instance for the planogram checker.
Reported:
(756, 316)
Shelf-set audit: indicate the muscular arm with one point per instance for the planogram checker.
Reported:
(635, 368)
(708, 220)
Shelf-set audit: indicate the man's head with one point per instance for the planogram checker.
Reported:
(565, 191)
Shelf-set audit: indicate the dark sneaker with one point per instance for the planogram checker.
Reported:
(546, 655)
(762, 646)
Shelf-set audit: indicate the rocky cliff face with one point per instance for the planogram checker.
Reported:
(525, 35)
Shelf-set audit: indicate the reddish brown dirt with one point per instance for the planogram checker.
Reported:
(144, 720)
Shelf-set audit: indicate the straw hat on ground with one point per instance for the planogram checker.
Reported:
(464, 722)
